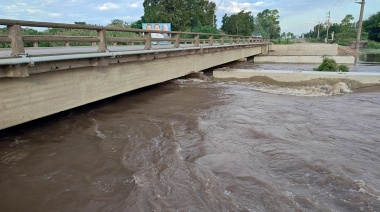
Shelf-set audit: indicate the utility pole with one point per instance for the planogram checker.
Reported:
(328, 25)
(360, 24)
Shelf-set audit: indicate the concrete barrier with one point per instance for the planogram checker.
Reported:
(302, 59)
(305, 49)
(302, 78)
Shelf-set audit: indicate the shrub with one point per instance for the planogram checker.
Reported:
(343, 68)
(329, 64)
(342, 43)
(373, 45)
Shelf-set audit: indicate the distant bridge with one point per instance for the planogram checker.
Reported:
(38, 81)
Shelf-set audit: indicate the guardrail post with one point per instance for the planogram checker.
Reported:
(176, 42)
(148, 40)
(102, 35)
(196, 38)
(17, 44)
(221, 40)
(211, 38)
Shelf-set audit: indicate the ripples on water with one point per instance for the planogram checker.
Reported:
(198, 146)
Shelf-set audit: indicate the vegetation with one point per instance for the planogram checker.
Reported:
(267, 22)
(373, 45)
(186, 16)
(183, 15)
(346, 31)
(283, 41)
(238, 24)
(329, 64)
(71, 32)
(372, 27)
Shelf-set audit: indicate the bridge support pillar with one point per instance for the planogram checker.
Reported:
(198, 75)
(17, 71)
(244, 59)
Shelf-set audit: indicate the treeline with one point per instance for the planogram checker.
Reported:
(72, 32)
(346, 30)
(199, 16)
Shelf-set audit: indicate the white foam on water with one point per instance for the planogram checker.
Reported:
(99, 133)
(309, 91)
(367, 189)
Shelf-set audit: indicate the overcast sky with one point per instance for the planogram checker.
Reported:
(296, 16)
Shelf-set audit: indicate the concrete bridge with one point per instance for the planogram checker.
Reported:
(37, 82)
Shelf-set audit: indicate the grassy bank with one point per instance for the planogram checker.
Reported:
(373, 45)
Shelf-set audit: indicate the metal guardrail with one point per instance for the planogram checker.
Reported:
(17, 40)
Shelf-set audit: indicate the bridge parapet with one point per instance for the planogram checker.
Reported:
(23, 53)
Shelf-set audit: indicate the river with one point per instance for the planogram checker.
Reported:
(198, 146)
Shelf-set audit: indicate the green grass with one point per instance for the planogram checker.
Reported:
(282, 41)
(373, 45)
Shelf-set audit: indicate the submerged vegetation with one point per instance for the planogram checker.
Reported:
(329, 64)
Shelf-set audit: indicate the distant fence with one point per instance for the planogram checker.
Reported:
(17, 40)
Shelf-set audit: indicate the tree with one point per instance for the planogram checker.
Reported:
(238, 24)
(183, 15)
(136, 24)
(118, 23)
(80, 22)
(346, 22)
(372, 26)
(268, 20)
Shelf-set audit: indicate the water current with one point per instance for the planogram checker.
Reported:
(198, 146)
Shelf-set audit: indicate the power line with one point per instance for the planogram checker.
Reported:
(334, 5)
(219, 4)
(342, 9)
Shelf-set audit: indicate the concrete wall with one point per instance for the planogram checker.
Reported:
(39, 95)
(304, 49)
(302, 59)
(365, 79)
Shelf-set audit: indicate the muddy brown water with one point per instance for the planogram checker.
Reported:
(198, 146)
(201, 146)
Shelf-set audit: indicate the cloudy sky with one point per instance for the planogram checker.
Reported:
(296, 16)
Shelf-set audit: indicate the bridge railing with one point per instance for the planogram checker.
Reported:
(103, 37)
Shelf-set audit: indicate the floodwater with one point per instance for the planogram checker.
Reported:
(199, 146)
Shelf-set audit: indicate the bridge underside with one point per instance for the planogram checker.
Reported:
(52, 87)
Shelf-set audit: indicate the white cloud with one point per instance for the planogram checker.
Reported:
(33, 11)
(134, 5)
(108, 6)
(235, 7)
(259, 3)
(55, 14)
